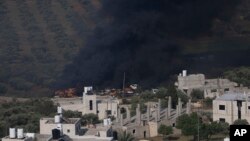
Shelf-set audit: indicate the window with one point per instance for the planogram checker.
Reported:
(222, 120)
(134, 131)
(90, 105)
(213, 90)
(109, 112)
(221, 107)
(248, 107)
(68, 131)
(226, 89)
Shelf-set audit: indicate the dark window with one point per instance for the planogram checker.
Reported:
(248, 107)
(222, 120)
(90, 105)
(68, 131)
(144, 134)
(109, 112)
(134, 131)
(213, 90)
(173, 124)
(221, 107)
(226, 89)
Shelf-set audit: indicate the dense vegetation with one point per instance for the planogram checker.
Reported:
(240, 75)
(193, 124)
(24, 115)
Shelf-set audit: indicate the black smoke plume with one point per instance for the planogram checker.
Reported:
(138, 37)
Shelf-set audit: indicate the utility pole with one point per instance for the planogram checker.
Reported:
(198, 128)
(123, 84)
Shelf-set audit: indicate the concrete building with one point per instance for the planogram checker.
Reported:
(231, 106)
(69, 129)
(144, 125)
(103, 106)
(211, 87)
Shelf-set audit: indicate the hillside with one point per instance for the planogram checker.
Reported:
(39, 38)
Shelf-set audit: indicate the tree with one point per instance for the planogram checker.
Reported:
(240, 75)
(90, 119)
(208, 102)
(216, 128)
(240, 122)
(197, 94)
(162, 93)
(165, 130)
(124, 136)
(189, 124)
(71, 114)
(147, 95)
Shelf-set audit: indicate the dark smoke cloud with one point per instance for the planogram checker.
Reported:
(137, 37)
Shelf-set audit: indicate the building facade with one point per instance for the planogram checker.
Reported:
(231, 106)
(210, 87)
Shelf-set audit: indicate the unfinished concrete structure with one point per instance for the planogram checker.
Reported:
(103, 106)
(144, 125)
(231, 106)
(211, 87)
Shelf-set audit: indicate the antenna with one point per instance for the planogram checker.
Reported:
(123, 84)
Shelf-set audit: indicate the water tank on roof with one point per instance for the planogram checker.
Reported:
(20, 133)
(30, 135)
(87, 89)
(109, 121)
(12, 133)
(60, 127)
(57, 119)
(59, 110)
(56, 134)
(105, 122)
(184, 73)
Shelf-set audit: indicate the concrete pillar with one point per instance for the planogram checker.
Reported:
(159, 110)
(138, 114)
(121, 119)
(188, 110)
(128, 114)
(148, 113)
(118, 115)
(156, 115)
(179, 106)
(169, 106)
(177, 111)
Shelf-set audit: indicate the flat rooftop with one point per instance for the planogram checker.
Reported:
(63, 120)
(232, 96)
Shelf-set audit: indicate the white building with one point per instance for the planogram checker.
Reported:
(103, 106)
(69, 129)
(231, 106)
